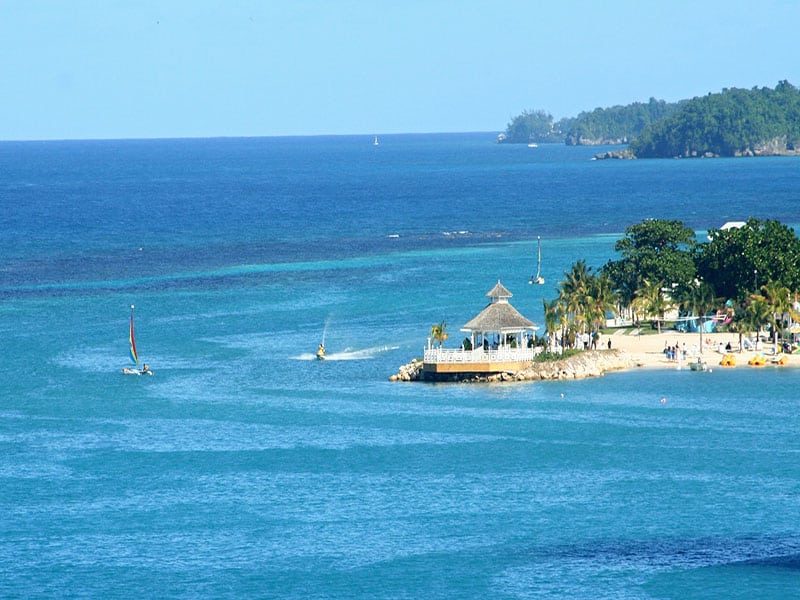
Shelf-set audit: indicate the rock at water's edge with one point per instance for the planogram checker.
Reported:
(409, 372)
(591, 363)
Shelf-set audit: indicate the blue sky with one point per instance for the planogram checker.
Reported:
(75, 69)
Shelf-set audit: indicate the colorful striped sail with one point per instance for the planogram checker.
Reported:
(134, 354)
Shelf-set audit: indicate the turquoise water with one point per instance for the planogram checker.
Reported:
(244, 468)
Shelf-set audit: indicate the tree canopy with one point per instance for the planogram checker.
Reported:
(736, 262)
(749, 274)
(730, 123)
(733, 122)
(530, 126)
(617, 124)
(653, 250)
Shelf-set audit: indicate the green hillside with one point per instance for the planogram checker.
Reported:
(615, 125)
(734, 122)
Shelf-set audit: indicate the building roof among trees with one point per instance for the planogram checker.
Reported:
(499, 316)
(499, 291)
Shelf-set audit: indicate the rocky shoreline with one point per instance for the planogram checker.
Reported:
(579, 366)
(777, 147)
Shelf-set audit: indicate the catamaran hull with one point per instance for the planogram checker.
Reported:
(135, 372)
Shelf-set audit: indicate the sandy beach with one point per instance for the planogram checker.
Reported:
(648, 349)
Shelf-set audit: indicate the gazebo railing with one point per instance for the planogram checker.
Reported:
(478, 355)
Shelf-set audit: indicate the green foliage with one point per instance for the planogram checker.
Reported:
(730, 123)
(583, 300)
(610, 125)
(779, 302)
(653, 250)
(696, 299)
(530, 126)
(554, 356)
(662, 266)
(737, 262)
(617, 124)
(439, 333)
(651, 301)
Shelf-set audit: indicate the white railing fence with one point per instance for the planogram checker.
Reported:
(479, 355)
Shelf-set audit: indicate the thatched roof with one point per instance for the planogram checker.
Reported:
(499, 317)
(499, 291)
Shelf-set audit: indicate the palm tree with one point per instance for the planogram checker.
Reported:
(555, 318)
(758, 312)
(779, 300)
(576, 278)
(698, 299)
(439, 333)
(650, 301)
(574, 293)
(551, 320)
(601, 299)
(741, 324)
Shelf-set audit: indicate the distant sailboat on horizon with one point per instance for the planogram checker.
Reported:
(375, 141)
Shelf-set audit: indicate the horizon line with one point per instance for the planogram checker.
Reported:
(234, 137)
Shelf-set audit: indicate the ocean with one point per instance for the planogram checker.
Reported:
(244, 468)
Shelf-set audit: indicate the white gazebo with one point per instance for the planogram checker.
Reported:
(498, 337)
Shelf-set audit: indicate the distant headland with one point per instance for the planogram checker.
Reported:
(733, 122)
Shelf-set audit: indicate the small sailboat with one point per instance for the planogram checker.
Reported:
(134, 354)
(538, 279)
(375, 141)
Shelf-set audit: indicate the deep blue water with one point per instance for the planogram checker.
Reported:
(245, 469)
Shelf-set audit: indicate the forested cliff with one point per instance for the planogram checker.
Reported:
(733, 122)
